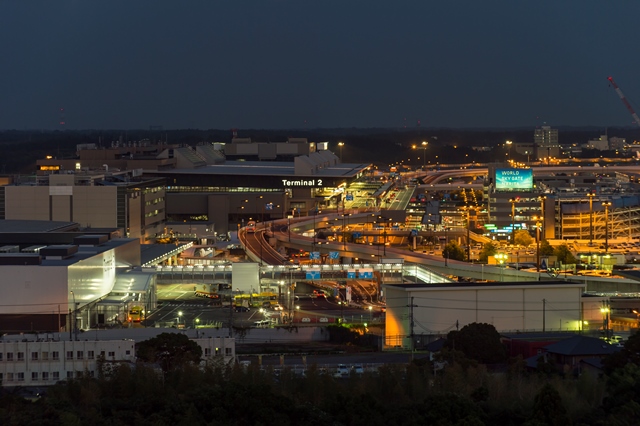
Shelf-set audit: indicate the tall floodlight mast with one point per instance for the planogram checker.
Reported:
(624, 100)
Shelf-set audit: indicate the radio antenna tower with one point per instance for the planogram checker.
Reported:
(62, 120)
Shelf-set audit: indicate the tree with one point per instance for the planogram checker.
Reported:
(453, 251)
(170, 350)
(545, 248)
(564, 255)
(523, 238)
(548, 408)
(489, 249)
(478, 341)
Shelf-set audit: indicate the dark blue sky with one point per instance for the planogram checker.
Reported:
(282, 64)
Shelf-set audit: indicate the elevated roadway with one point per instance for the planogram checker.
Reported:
(366, 254)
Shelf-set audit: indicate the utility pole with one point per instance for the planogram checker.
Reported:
(411, 306)
(591, 195)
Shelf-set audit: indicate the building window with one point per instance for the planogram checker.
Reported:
(78, 374)
(112, 354)
(128, 352)
(227, 351)
(102, 354)
(45, 375)
(45, 356)
(69, 374)
(90, 354)
(34, 356)
(34, 376)
(9, 356)
(80, 354)
(21, 377)
(56, 375)
(55, 355)
(92, 374)
(20, 356)
(9, 377)
(69, 354)
(1, 377)
(217, 351)
(0, 356)
(207, 351)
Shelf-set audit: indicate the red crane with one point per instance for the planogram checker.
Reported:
(624, 100)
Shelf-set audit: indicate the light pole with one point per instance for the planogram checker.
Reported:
(501, 258)
(260, 238)
(424, 154)
(75, 320)
(508, 143)
(605, 317)
(340, 145)
(513, 202)
(344, 232)
(467, 210)
(542, 200)
(591, 195)
(537, 219)
(446, 241)
(606, 205)
(370, 313)
(179, 316)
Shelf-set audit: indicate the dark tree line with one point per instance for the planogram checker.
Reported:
(455, 390)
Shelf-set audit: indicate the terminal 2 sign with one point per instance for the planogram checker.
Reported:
(311, 183)
(514, 179)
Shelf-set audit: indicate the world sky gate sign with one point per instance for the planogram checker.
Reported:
(519, 179)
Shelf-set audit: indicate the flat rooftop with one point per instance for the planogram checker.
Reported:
(28, 226)
(265, 168)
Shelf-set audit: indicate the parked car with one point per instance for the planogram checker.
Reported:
(341, 371)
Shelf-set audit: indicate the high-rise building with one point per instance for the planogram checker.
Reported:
(546, 142)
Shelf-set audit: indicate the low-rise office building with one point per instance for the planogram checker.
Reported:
(93, 199)
(44, 359)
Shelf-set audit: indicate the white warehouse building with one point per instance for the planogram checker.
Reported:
(40, 290)
(436, 309)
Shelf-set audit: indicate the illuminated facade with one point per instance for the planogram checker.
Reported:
(93, 200)
(41, 290)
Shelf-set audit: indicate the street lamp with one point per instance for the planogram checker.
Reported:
(591, 195)
(344, 231)
(605, 318)
(542, 200)
(501, 258)
(606, 205)
(446, 241)
(537, 219)
(513, 202)
(424, 154)
(370, 313)
(508, 143)
(423, 145)
(340, 145)
(260, 237)
(75, 319)
(179, 316)
(467, 210)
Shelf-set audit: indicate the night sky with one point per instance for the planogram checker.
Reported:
(316, 64)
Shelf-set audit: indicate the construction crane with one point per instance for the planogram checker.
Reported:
(624, 100)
